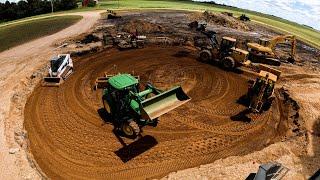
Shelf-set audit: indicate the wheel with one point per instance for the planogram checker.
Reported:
(229, 63)
(131, 129)
(106, 106)
(205, 56)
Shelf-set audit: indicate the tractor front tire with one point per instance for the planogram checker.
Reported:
(106, 106)
(131, 129)
(205, 56)
(229, 63)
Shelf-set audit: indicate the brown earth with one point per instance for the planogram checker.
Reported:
(19, 69)
(69, 139)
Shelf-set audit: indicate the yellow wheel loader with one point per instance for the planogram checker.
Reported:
(261, 90)
(264, 49)
(224, 53)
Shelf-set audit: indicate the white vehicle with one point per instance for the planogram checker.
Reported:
(61, 67)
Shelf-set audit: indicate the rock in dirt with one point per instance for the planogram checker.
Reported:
(13, 150)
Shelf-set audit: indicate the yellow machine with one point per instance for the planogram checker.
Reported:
(261, 90)
(226, 53)
(265, 48)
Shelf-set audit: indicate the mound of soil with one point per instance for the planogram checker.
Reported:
(142, 27)
(222, 19)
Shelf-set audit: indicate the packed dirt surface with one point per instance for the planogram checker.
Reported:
(70, 138)
(17, 67)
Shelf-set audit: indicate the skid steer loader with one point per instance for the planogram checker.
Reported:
(261, 90)
(61, 67)
(131, 108)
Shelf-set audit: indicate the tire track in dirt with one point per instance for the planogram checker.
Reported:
(70, 140)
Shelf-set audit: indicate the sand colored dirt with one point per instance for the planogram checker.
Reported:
(69, 137)
(17, 65)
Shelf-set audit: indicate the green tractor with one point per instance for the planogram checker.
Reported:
(130, 109)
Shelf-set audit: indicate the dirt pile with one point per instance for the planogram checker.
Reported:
(294, 123)
(221, 19)
(142, 26)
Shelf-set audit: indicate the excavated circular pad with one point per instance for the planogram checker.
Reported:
(70, 137)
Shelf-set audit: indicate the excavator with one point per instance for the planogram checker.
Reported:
(264, 49)
(261, 90)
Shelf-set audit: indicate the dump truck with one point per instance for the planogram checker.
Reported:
(261, 90)
(131, 107)
(264, 49)
(61, 67)
(224, 53)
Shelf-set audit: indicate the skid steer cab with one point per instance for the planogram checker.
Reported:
(130, 108)
(261, 90)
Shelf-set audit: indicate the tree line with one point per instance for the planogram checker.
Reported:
(25, 8)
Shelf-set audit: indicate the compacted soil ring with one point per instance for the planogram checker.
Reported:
(70, 137)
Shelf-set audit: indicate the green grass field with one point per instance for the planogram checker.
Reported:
(304, 33)
(19, 33)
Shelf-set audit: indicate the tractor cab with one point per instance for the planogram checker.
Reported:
(227, 43)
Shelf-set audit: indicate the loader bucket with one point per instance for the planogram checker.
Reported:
(270, 69)
(160, 104)
(51, 81)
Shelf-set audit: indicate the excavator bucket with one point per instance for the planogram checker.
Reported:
(52, 81)
(162, 103)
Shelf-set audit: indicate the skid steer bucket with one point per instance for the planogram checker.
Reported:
(51, 81)
(162, 103)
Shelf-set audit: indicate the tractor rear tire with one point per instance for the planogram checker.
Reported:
(131, 129)
(229, 63)
(205, 56)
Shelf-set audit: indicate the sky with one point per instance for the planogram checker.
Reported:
(301, 11)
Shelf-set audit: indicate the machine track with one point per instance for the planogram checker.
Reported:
(70, 138)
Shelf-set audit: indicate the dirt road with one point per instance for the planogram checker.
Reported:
(70, 139)
(16, 66)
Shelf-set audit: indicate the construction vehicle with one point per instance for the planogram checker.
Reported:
(272, 171)
(61, 67)
(129, 41)
(131, 108)
(112, 15)
(197, 26)
(226, 53)
(261, 90)
(243, 17)
(264, 49)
